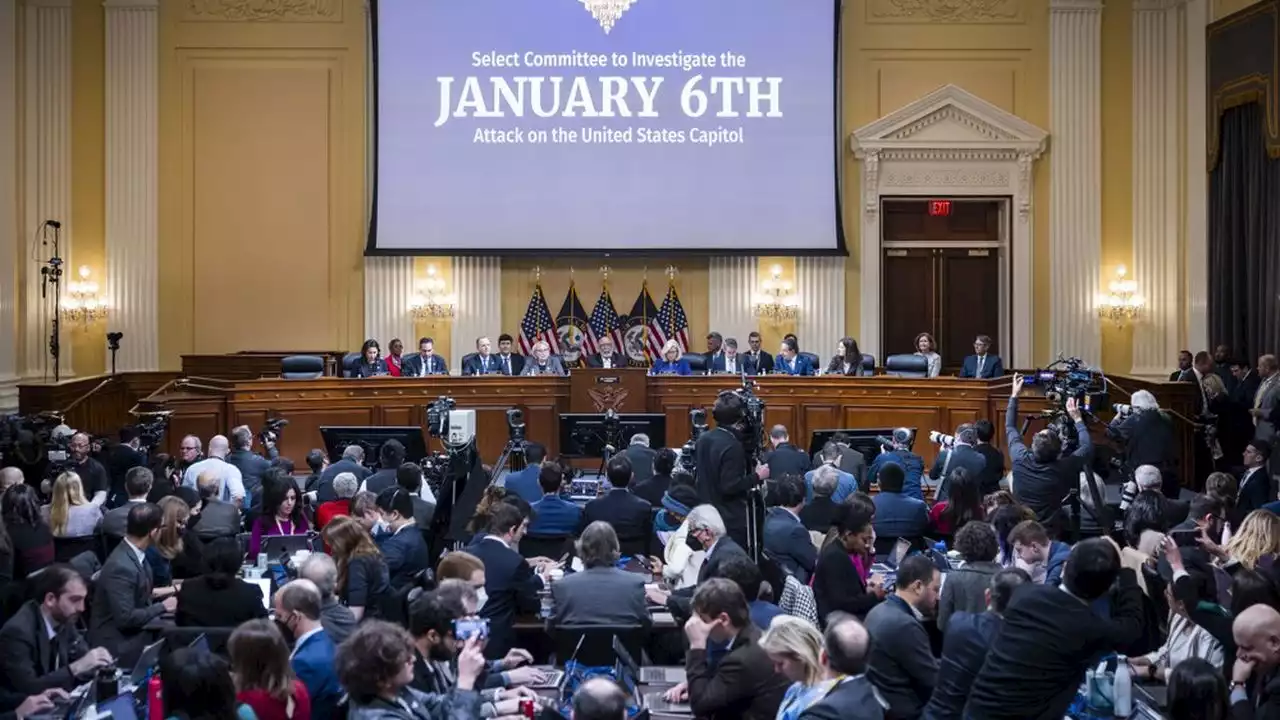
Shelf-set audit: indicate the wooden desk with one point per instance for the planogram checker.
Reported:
(252, 365)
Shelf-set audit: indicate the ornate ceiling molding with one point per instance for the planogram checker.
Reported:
(265, 10)
(946, 10)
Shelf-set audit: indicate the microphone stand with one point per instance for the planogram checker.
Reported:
(51, 274)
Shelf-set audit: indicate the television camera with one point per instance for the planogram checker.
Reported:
(29, 440)
(151, 428)
(271, 430)
(697, 426)
(751, 427)
(1069, 377)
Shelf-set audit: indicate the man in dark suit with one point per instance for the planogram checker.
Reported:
(137, 485)
(119, 459)
(961, 454)
(851, 461)
(512, 362)
(902, 666)
(1050, 637)
(403, 547)
(982, 364)
(993, 467)
(554, 515)
(790, 362)
(352, 461)
(631, 516)
(723, 479)
(1255, 674)
(964, 647)
(409, 478)
(1041, 475)
(482, 362)
(40, 647)
(819, 515)
(743, 684)
(1255, 483)
(652, 489)
(251, 465)
(297, 607)
(122, 601)
(1184, 364)
(853, 697)
(729, 361)
(786, 539)
(608, 357)
(602, 594)
(524, 483)
(426, 362)
(1247, 383)
(760, 360)
(390, 458)
(217, 518)
(706, 533)
(509, 581)
(641, 457)
(784, 458)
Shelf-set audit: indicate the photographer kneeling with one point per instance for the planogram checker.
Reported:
(1147, 434)
(1042, 476)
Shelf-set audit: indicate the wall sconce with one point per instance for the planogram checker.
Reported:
(775, 301)
(431, 301)
(1122, 304)
(82, 303)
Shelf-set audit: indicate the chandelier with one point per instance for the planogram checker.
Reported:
(431, 301)
(1122, 304)
(607, 12)
(82, 303)
(774, 301)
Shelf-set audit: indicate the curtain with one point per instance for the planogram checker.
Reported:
(1244, 237)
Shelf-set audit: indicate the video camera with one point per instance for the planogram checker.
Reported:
(1069, 377)
(438, 415)
(516, 426)
(752, 426)
(1121, 408)
(27, 439)
(151, 429)
(271, 429)
(697, 426)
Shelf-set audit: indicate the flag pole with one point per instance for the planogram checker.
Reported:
(644, 310)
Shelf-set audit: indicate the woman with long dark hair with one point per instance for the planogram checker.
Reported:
(847, 360)
(219, 598)
(197, 685)
(29, 534)
(963, 503)
(1197, 691)
(281, 511)
(370, 363)
(363, 577)
(262, 674)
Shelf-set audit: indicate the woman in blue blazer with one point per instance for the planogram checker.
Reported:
(671, 363)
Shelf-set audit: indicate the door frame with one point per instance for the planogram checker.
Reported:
(950, 143)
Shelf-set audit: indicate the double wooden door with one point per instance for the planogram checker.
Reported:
(951, 293)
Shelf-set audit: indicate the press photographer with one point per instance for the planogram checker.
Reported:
(251, 465)
(897, 450)
(1146, 433)
(721, 457)
(1043, 475)
(957, 452)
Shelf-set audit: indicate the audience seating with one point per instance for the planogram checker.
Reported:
(697, 362)
(911, 366)
(302, 367)
(552, 546)
(466, 359)
(597, 643)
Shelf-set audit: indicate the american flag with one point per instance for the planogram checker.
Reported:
(537, 324)
(669, 323)
(605, 322)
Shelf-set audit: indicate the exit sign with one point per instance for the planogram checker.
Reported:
(939, 207)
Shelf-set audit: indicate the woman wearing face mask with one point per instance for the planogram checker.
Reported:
(363, 578)
(264, 680)
(467, 568)
(843, 579)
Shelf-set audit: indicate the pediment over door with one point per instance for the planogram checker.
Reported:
(950, 118)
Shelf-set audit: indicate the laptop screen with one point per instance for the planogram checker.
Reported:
(120, 707)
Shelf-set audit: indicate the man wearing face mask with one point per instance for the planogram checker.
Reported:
(402, 545)
(297, 607)
(1034, 552)
(706, 534)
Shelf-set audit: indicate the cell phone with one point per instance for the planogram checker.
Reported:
(1186, 538)
(464, 629)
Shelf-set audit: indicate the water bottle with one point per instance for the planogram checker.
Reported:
(1122, 689)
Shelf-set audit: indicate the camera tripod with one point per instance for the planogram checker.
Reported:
(512, 455)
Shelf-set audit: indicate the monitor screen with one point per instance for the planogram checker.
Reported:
(588, 125)
(585, 434)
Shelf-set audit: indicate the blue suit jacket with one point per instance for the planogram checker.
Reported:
(525, 484)
(964, 648)
(799, 365)
(512, 588)
(476, 365)
(788, 541)
(313, 664)
(679, 367)
(742, 364)
(846, 485)
(899, 515)
(554, 515)
(993, 367)
(406, 555)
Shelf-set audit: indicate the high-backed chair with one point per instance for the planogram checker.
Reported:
(868, 363)
(814, 361)
(913, 366)
(349, 363)
(697, 362)
(302, 367)
(462, 364)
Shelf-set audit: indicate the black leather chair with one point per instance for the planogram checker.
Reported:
(597, 643)
(462, 364)
(66, 548)
(348, 363)
(552, 546)
(302, 367)
(868, 363)
(912, 366)
(814, 361)
(697, 362)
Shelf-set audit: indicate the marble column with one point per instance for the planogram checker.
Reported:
(46, 161)
(732, 286)
(1196, 16)
(1075, 208)
(477, 283)
(132, 104)
(388, 295)
(9, 244)
(820, 294)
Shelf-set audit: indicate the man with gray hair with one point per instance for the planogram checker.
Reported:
(352, 462)
(10, 476)
(602, 594)
(297, 607)
(819, 513)
(336, 618)
(230, 483)
(706, 534)
(846, 484)
(961, 454)
(641, 457)
(1147, 436)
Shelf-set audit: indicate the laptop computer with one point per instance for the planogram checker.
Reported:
(120, 707)
(147, 661)
(277, 545)
(201, 643)
(75, 706)
(631, 675)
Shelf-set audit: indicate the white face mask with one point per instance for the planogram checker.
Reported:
(481, 598)
(1036, 570)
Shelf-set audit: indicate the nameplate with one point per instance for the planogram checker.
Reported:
(607, 379)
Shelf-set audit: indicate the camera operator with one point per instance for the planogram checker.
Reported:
(121, 457)
(898, 451)
(722, 476)
(251, 465)
(1147, 434)
(961, 453)
(91, 472)
(1042, 476)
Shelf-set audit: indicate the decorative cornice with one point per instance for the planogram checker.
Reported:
(948, 177)
(946, 10)
(52, 4)
(1000, 134)
(1072, 6)
(265, 10)
(131, 4)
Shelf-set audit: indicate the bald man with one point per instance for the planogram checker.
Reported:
(1257, 635)
(599, 699)
(93, 476)
(9, 477)
(232, 484)
(845, 658)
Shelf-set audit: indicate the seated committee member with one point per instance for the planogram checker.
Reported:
(847, 360)
(370, 363)
(728, 361)
(512, 362)
(789, 360)
(482, 362)
(760, 361)
(928, 349)
(607, 358)
(426, 362)
(395, 357)
(602, 594)
(980, 364)
(671, 363)
(543, 362)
